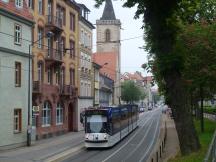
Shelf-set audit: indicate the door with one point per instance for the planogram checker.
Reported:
(70, 117)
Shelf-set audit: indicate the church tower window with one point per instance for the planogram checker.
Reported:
(107, 33)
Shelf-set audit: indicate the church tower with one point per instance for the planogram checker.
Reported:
(108, 40)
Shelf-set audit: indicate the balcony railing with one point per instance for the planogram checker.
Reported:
(68, 90)
(54, 21)
(55, 55)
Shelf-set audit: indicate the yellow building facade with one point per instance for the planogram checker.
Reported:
(55, 66)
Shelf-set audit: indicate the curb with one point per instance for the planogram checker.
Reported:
(61, 156)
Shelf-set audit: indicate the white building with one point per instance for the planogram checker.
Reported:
(85, 98)
(15, 36)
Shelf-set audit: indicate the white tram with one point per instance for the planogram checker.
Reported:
(106, 126)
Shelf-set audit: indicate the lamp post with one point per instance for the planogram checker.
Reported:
(49, 34)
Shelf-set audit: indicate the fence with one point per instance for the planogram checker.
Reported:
(211, 154)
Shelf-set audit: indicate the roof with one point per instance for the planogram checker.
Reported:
(110, 58)
(108, 13)
(23, 13)
(148, 78)
(136, 76)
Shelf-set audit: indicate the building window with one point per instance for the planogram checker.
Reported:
(59, 114)
(17, 120)
(57, 73)
(62, 46)
(49, 7)
(19, 3)
(72, 77)
(89, 41)
(46, 114)
(72, 22)
(82, 88)
(40, 36)
(40, 71)
(30, 4)
(107, 33)
(85, 40)
(72, 49)
(18, 36)
(62, 76)
(49, 46)
(61, 15)
(40, 7)
(17, 74)
(82, 37)
(49, 76)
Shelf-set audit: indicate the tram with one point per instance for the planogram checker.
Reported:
(106, 126)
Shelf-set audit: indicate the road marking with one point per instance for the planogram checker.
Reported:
(151, 142)
(125, 143)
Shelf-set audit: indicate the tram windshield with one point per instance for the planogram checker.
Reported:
(96, 124)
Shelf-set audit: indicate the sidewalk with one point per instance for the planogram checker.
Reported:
(172, 143)
(44, 149)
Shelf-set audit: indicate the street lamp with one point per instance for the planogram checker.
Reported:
(49, 34)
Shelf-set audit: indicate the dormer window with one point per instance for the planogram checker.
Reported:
(19, 3)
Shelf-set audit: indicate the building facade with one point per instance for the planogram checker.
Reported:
(15, 37)
(55, 66)
(108, 40)
(85, 96)
(96, 81)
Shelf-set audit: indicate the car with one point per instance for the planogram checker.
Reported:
(149, 108)
(141, 109)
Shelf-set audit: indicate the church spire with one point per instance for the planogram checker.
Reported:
(108, 13)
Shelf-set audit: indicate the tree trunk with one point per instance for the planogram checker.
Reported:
(179, 103)
(201, 109)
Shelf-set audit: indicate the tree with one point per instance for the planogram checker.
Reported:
(197, 44)
(130, 92)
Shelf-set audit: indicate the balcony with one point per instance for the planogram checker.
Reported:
(54, 57)
(54, 24)
(68, 90)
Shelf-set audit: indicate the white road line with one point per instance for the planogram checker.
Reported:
(151, 142)
(124, 144)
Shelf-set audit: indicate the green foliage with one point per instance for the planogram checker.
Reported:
(205, 140)
(210, 110)
(197, 44)
(130, 92)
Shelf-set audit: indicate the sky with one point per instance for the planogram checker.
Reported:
(132, 57)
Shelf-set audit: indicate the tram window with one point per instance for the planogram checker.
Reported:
(96, 124)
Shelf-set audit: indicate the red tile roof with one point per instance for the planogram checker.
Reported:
(21, 12)
(106, 57)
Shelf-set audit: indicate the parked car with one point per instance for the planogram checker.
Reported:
(149, 108)
(141, 109)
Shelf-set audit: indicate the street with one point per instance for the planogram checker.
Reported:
(136, 147)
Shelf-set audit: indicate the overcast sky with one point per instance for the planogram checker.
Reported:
(131, 56)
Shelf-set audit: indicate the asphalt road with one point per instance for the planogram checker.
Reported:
(136, 147)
